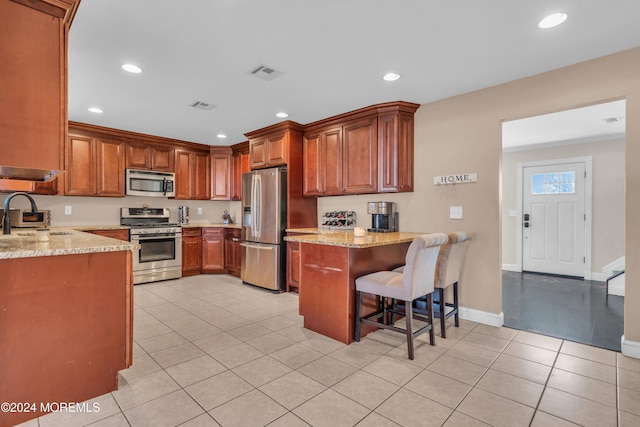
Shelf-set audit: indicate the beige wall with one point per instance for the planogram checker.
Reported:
(106, 210)
(607, 197)
(463, 134)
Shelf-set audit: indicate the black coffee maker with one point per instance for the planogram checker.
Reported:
(384, 218)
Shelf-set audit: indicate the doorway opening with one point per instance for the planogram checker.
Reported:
(563, 223)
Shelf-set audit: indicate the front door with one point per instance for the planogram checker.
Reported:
(553, 233)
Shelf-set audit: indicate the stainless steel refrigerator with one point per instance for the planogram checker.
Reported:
(264, 217)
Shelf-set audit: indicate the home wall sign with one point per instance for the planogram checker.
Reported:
(458, 178)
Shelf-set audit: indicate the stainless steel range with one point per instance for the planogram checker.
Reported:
(160, 253)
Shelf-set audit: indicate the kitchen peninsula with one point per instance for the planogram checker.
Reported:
(66, 310)
(329, 263)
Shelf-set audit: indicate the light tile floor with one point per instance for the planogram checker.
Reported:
(211, 351)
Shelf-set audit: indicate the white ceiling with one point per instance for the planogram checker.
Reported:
(332, 54)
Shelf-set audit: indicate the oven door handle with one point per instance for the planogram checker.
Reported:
(154, 236)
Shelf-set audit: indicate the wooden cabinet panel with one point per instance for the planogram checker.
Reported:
(192, 175)
(162, 159)
(232, 251)
(114, 234)
(191, 251)
(201, 181)
(360, 157)
(213, 250)
(183, 175)
(221, 166)
(312, 149)
(293, 267)
(395, 152)
(80, 167)
(277, 150)
(138, 156)
(33, 75)
(109, 168)
(258, 153)
(240, 166)
(333, 163)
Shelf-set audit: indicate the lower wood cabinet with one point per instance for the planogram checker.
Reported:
(293, 267)
(213, 250)
(232, 251)
(114, 234)
(191, 251)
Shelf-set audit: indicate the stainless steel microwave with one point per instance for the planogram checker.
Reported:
(150, 183)
(22, 218)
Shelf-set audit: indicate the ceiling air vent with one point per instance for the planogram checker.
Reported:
(265, 72)
(202, 105)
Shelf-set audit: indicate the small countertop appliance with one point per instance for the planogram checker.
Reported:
(384, 217)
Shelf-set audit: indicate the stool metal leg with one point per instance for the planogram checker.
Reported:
(455, 303)
(408, 311)
(442, 305)
(358, 322)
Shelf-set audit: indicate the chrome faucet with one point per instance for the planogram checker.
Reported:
(6, 222)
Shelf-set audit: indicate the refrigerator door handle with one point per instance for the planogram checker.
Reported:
(253, 206)
(258, 193)
(264, 248)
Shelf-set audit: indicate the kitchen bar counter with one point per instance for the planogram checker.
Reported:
(21, 243)
(329, 263)
(347, 239)
(211, 225)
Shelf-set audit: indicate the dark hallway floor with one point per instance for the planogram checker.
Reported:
(571, 309)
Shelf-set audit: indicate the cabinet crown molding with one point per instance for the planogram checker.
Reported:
(372, 110)
(287, 125)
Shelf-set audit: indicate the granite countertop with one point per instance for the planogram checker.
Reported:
(347, 239)
(21, 243)
(99, 227)
(211, 225)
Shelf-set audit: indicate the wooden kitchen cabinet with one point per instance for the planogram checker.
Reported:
(213, 250)
(322, 157)
(293, 267)
(191, 251)
(240, 165)
(232, 251)
(364, 151)
(192, 175)
(33, 105)
(147, 156)
(94, 167)
(120, 234)
(221, 171)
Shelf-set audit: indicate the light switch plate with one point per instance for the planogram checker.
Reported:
(455, 212)
(67, 210)
(199, 211)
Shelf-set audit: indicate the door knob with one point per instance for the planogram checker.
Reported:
(526, 225)
(526, 217)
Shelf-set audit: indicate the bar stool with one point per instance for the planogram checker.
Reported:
(416, 280)
(448, 272)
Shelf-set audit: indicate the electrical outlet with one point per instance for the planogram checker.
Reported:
(67, 210)
(455, 212)
(199, 211)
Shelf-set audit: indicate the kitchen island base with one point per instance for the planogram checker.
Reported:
(66, 329)
(327, 284)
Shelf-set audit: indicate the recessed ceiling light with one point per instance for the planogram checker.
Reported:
(282, 115)
(391, 77)
(221, 135)
(95, 110)
(552, 20)
(132, 68)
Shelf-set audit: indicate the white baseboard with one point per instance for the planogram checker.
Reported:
(483, 317)
(512, 267)
(615, 265)
(630, 348)
(616, 286)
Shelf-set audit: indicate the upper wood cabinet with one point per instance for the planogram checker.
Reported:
(33, 105)
(94, 167)
(240, 165)
(322, 157)
(193, 169)
(221, 171)
(271, 146)
(142, 155)
(365, 151)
